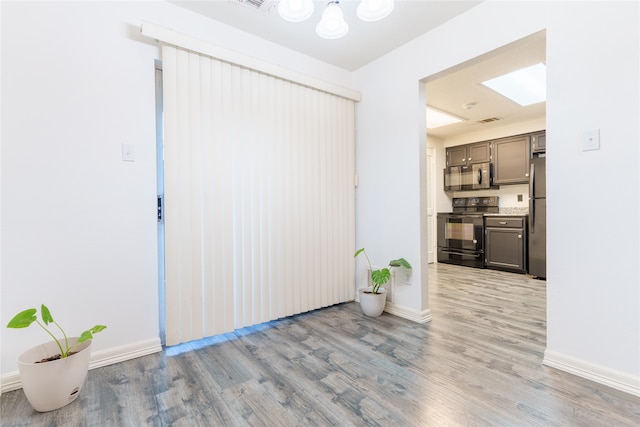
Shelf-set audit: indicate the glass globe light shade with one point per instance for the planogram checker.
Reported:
(374, 10)
(332, 25)
(295, 10)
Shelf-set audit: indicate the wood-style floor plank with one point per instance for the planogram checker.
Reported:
(477, 363)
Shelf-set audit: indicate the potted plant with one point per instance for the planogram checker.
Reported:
(53, 373)
(374, 298)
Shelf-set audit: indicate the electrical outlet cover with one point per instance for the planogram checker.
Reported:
(591, 140)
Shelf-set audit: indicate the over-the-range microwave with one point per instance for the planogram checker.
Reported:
(473, 177)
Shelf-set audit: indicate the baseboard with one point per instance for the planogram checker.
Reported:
(407, 313)
(599, 374)
(404, 312)
(11, 381)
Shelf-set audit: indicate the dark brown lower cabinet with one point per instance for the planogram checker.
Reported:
(506, 243)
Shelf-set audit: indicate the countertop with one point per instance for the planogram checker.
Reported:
(506, 214)
(501, 212)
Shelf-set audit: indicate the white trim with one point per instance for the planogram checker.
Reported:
(11, 381)
(126, 352)
(175, 38)
(597, 373)
(423, 316)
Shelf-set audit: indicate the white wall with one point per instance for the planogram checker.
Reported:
(594, 287)
(78, 223)
(592, 82)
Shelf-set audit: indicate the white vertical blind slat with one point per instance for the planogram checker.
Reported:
(206, 129)
(259, 197)
(193, 307)
(172, 250)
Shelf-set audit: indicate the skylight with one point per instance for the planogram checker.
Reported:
(525, 86)
(437, 118)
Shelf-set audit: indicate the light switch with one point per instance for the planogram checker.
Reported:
(128, 153)
(591, 140)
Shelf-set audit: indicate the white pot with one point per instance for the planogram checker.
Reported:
(371, 304)
(52, 385)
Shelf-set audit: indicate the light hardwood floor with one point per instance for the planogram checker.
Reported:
(477, 363)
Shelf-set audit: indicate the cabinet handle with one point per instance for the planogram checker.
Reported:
(503, 222)
(519, 236)
(460, 253)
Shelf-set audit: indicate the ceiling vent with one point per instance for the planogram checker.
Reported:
(489, 120)
(263, 6)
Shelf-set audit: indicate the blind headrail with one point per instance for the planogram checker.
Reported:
(168, 36)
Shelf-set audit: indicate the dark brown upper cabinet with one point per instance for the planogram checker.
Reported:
(511, 160)
(469, 154)
(479, 152)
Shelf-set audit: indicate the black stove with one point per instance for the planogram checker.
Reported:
(461, 232)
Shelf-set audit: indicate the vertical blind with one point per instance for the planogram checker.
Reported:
(259, 197)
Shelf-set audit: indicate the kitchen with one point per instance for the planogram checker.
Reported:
(489, 182)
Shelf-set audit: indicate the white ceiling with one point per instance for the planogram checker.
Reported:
(452, 89)
(367, 41)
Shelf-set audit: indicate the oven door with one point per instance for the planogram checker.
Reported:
(463, 231)
(461, 239)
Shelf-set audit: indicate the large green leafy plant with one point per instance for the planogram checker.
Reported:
(25, 318)
(381, 276)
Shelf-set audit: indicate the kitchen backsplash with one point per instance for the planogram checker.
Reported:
(514, 210)
(514, 199)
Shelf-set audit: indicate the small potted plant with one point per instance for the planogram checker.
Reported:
(53, 373)
(374, 298)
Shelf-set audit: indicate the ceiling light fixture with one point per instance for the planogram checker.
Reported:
(374, 10)
(332, 25)
(295, 10)
(437, 118)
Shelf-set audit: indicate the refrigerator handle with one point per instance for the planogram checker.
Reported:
(532, 206)
(532, 179)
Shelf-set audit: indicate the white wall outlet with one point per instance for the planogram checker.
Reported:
(128, 153)
(407, 277)
(591, 140)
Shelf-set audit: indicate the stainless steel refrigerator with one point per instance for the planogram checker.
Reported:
(537, 218)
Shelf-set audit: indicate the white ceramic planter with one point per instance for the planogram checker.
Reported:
(52, 385)
(372, 305)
